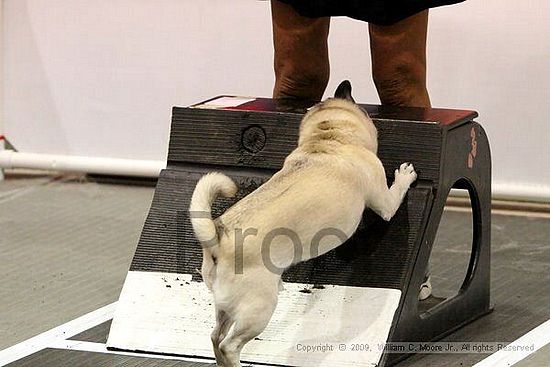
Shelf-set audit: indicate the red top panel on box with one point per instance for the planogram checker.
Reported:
(446, 117)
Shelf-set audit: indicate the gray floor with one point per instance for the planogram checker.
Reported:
(66, 245)
(65, 249)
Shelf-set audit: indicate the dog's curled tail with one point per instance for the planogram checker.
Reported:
(209, 187)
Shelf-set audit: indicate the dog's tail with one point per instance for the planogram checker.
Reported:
(208, 188)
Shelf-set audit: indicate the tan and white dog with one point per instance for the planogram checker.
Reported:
(312, 205)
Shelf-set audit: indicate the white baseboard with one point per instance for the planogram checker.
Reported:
(151, 168)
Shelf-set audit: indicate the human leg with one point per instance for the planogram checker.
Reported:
(301, 53)
(398, 55)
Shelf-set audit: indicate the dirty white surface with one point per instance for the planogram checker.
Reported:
(168, 313)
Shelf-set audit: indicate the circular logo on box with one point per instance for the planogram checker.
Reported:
(253, 139)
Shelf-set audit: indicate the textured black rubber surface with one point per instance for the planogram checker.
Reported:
(250, 146)
(377, 255)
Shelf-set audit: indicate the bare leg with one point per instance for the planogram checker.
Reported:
(301, 53)
(398, 55)
(223, 323)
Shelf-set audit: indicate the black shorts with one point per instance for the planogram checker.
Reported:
(380, 12)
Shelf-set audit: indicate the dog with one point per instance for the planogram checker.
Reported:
(312, 205)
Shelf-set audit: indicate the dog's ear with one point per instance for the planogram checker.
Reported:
(344, 91)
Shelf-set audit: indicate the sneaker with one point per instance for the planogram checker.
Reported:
(425, 288)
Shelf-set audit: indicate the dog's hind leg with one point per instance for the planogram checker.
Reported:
(384, 201)
(223, 323)
(250, 321)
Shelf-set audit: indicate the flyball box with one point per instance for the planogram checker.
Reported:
(364, 292)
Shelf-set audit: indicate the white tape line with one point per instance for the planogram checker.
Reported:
(538, 338)
(61, 332)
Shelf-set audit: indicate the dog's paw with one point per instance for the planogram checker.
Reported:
(405, 175)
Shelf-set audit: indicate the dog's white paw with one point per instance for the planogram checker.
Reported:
(405, 175)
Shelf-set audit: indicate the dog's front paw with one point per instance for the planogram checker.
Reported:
(405, 175)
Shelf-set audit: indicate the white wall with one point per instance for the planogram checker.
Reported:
(99, 77)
